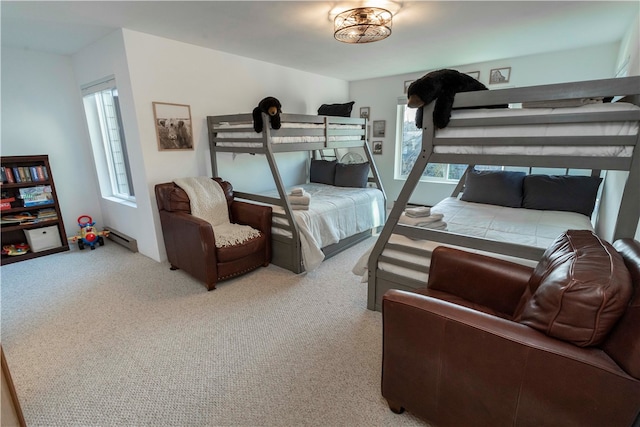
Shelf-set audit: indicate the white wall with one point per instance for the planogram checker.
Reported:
(39, 117)
(150, 68)
(595, 62)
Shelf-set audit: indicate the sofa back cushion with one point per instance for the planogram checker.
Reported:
(578, 291)
(172, 198)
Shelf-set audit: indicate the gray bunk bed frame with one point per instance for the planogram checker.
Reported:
(287, 251)
(380, 281)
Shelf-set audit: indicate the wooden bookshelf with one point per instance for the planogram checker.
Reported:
(34, 171)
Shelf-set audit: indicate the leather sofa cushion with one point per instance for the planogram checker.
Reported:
(235, 252)
(578, 291)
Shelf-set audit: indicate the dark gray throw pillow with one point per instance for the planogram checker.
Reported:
(494, 188)
(352, 175)
(340, 110)
(561, 193)
(322, 171)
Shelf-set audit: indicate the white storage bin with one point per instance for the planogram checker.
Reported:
(41, 239)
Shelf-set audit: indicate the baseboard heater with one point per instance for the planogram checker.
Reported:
(122, 239)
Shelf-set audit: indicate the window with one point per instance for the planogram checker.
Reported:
(102, 110)
(409, 143)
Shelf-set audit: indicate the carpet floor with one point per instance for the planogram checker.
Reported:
(112, 338)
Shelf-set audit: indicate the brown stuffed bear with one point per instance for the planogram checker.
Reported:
(441, 85)
(273, 108)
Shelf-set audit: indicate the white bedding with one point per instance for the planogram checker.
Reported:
(334, 214)
(514, 225)
(568, 129)
(283, 139)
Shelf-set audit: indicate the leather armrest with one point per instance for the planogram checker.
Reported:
(480, 279)
(256, 216)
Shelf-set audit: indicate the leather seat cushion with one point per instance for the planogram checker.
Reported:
(578, 291)
(235, 252)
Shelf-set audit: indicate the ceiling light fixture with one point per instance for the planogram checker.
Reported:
(362, 25)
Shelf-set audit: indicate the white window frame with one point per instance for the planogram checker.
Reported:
(104, 120)
(399, 174)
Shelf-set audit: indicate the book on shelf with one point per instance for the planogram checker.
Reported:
(38, 195)
(9, 174)
(16, 174)
(40, 170)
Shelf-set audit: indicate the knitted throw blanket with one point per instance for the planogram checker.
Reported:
(208, 202)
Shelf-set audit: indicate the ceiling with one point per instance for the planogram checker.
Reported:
(299, 34)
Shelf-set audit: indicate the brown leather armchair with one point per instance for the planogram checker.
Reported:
(479, 345)
(190, 241)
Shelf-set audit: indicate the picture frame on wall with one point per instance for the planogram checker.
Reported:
(500, 75)
(474, 74)
(377, 147)
(378, 128)
(407, 83)
(173, 126)
(365, 112)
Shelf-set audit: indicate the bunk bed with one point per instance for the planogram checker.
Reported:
(558, 133)
(300, 238)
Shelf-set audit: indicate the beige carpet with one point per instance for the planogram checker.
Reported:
(111, 338)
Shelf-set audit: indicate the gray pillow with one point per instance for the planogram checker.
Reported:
(352, 175)
(561, 193)
(322, 171)
(494, 188)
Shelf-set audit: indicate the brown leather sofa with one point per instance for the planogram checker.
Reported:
(190, 241)
(492, 343)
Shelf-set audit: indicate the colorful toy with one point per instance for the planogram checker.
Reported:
(17, 249)
(88, 234)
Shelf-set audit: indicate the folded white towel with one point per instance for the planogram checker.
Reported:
(438, 225)
(300, 207)
(297, 191)
(419, 221)
(300, 200)
(418, 211)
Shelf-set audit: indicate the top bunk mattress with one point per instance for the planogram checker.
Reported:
(600, 127)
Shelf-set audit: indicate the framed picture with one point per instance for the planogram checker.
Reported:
(365, 112)
(173, 126)
(377, 147)
(474, 74)
(407, 83)
(378, 128)
(500, 75)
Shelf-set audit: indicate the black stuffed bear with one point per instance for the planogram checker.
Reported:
(441, 85)
(273, 108)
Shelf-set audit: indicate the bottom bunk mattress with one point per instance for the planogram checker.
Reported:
(530, 227)
(334, 213)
